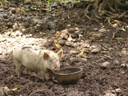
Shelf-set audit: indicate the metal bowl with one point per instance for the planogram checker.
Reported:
(68, 75)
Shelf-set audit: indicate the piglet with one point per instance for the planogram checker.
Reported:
(36, 60)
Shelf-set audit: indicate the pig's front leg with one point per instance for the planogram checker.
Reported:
(19, 67)
(42, 74)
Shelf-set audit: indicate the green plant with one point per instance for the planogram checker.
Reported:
(1, 2)
(48, 2)
(119, 38)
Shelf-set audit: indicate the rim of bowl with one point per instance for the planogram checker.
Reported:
(80, 70)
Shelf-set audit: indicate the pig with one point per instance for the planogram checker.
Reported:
(36, 60)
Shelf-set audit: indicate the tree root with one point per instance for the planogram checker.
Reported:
(86, 12)
(20, 88)
(38, 91)
(106, 9)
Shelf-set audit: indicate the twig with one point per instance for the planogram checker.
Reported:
(22, 87)
(37, 91)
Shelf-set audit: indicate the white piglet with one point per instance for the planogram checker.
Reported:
(36, 60)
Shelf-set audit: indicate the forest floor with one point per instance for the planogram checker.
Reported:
(99, 49)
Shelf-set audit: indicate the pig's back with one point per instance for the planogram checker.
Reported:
(30, 58)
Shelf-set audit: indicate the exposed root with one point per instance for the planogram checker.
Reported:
(38, 91)
(86, 12)
(20, 88)
(107, 9)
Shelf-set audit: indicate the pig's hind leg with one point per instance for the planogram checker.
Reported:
(19, 67)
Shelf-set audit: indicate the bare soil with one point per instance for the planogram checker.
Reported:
(101, 44)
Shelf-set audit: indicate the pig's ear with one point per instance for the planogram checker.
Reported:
(45, 56)
(60, 53)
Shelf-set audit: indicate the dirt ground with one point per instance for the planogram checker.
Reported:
(99, 49)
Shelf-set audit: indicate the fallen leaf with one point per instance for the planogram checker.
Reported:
(82, 52)
(15, 89)
(57, 34)
(12, 37)
(12, 76)
(117, 21)
(118, 75)
(7, 89)
(57, 46)
(76, 24)
(19, 9)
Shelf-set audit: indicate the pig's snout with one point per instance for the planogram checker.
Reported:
(56, 68)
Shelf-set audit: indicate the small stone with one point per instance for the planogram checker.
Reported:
(74, 35)
(5, 7)
(27, 1)
(123, 65)
(15, 26)
(73, 51)
(96, 50)
(70, 39)
(95, 29)
(116, 62)
(84, 59)
(102, 30)
(9, 24)
(64, 36)
(74, 60)
(95, 35)
(64, 31)
(18, 33)
(55, 5)
(3, 40)
(13, 11)
(13, 34)
(115, 25)
(71, 30)
(105, 64)
(62, 42)
(122, 71)
(26, 25)
(50, 83)
(124, 52)
(5, 16)
(51, 24)
(70, 44)
(85, 45)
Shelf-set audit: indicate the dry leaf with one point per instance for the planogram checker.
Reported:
(15, 89)
(118, 75)
(57, 46)
(7, 89)
(12, 37)
(82, 52)
(117, 21)
(76, 24)
(19, 9)
(57, 34)
(12, 76)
